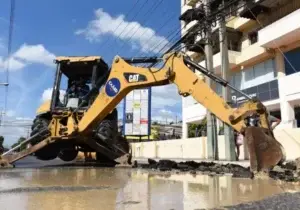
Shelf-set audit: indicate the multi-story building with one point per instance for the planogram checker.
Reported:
(264, 57)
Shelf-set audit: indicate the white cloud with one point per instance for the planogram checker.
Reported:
(35, 54)
(10, 113)
(105, 24)
(26, 55)
(165, 96)
(13, 64)
(164, 115)
(47, 94)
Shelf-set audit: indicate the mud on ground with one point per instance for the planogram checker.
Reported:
(289, 172)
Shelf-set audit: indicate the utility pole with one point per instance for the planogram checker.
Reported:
(1, 116)
(212, 136)
(228, 131)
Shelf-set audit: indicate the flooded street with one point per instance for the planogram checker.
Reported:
(116, 188)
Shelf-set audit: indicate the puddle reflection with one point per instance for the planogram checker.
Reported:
(129, 189)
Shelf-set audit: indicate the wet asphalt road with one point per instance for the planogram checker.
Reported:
(34, 184)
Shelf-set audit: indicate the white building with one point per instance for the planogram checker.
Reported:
(264, 58)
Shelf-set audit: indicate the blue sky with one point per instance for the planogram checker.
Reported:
(45, 29)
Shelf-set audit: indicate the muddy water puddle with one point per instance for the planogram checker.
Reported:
(108, 188)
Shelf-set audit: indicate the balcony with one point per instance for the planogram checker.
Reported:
(240, 23)
(217, 61)
(251, 54)
(282, 32)
(188, 26)
(191, 3)
(192, 14)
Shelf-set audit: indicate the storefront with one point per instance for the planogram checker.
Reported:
(264, 92)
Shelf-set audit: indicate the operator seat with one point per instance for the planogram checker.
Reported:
(76, 92)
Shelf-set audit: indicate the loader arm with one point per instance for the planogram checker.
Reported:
(124, 78)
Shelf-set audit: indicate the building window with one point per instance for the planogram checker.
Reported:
(253, 37)
(292, 61)
(219, 88)
(254, 76)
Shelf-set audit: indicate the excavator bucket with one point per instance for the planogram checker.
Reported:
(264, 150)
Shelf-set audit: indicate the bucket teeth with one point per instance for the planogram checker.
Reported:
(264, 150)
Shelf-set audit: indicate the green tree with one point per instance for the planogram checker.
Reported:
(1, 140)
(155, 132)
(1, 144)
(193, 128)
(21, 139)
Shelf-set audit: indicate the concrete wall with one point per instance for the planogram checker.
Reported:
(196, 148)
(192, 148)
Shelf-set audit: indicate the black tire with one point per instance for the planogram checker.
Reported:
(49, 152)
(108, 128)
(68, 154)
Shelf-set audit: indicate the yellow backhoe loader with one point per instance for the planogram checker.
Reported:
(88, 122)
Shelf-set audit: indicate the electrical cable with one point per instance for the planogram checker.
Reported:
(152, 9)
(197, 26)
(274, 41)
(142, 6)
(107, 40)
(161, 27)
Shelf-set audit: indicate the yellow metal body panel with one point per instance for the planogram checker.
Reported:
(44, 108)
(174, 71)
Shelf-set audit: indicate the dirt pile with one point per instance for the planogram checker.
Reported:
(289, 171)
(192, 166)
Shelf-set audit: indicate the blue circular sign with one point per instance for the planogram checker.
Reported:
(112, 87)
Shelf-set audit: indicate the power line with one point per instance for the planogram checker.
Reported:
(140, 9)
(199, 26)
(108, 39)
(131, 9)
(152, 9)
(274, 41)
(159, 29)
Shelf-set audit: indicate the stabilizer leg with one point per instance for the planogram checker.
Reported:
(11, 158)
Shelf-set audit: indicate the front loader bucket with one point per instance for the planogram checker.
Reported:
(264, 150)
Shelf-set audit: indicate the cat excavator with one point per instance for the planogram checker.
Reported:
(89, 123)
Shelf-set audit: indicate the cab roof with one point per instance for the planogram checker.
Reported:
(75, 67)
(78, 58)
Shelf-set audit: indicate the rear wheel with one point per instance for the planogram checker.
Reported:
(108, 128)
(49, 152)
(107, 135)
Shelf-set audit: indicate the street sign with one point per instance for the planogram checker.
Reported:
(137, 113)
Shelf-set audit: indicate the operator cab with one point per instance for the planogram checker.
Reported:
(75, 78)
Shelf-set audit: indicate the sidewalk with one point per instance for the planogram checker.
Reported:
(244, 163)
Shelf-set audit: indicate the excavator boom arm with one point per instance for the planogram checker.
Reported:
(265, 151)
(124, 78)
